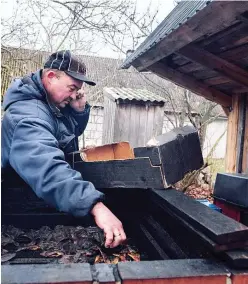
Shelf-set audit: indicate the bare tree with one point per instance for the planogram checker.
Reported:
(81, 25)
(184, 107)
(84, 26)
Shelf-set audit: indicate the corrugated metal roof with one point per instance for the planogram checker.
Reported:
(132, 94)
(178, 16)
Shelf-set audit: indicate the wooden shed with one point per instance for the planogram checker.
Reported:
(132, 115)
(203, 46)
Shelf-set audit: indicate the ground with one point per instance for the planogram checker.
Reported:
(203, 189)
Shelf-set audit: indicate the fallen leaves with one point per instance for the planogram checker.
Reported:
(52, 254)
(7, 257)
(125, 254)
(200, 192)
(134, 256)
(64, 244)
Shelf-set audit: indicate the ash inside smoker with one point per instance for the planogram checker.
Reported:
(65, 244)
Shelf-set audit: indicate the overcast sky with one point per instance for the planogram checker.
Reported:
(164, 7)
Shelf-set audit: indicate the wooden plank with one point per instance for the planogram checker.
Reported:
(165, 240)
(121, 128)
(228, 88)
(237, 258)
(232, 188)
(116, 123)
(227, 32)
(124, 121)
(178, 151)
(239, 276)
(241, 90)
(216, 63)
(190, 83)
(243, 19)
(226, 111)
(103, 274)
(245, 151)
(232, 129)
(179, 60)
(157, 250)
(240, 41)
(216, 226)
(141, 135)
(241, 132)
(152, 111)
(212, 19)
(109, 120)
(184, 280)
(232, 55)
(138, 173)
(216, 81)
(47, 273)
(204, 74)
(134, 126)
(197, 237)
(228, 41)
(186, 269)
(158, 121)
(235, 53)
(151, 152)
(190, 67)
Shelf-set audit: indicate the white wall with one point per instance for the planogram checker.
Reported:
(214, 132)
(94, 130)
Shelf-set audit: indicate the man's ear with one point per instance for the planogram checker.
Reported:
(51, 74)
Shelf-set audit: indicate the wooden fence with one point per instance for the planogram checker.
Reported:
(18, 62)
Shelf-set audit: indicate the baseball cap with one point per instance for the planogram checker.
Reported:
(63, 60)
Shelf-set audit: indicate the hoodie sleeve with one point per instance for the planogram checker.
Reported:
(36, 157)
(81, 118)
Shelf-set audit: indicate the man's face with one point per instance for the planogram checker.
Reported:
(62, 88)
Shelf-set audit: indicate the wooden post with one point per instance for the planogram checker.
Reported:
(237, 136)
(245, 149)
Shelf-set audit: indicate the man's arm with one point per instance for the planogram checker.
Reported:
(81, 118)
(36, 157)
(80, 110)
(104, 218)
(112, 226)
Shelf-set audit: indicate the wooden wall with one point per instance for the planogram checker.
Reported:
(237, 135)
(245, 148)
(136, 123)
(108, 121)
(17, 62)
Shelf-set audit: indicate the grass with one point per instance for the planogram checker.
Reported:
(216, 166)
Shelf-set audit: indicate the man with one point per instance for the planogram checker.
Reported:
(44, 115)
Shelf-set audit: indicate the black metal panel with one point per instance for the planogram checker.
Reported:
(178, 152)
(218, 227)
(132, 173)
(232, 188)
(151, 152)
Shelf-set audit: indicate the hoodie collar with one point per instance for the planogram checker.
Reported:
(36, 77)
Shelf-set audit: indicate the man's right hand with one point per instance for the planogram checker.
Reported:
(110, 224)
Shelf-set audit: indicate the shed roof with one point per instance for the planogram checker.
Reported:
(106, 72)
(178, 16)
(129, 94)
(201, 46)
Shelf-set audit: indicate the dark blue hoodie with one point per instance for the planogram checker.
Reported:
(35, 136)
